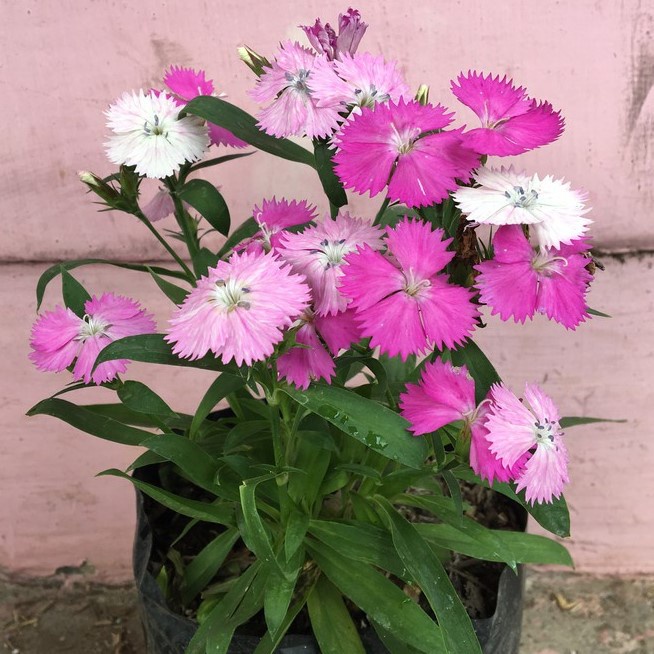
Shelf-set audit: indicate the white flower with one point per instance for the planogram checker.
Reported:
(505, 197)
(149, 135)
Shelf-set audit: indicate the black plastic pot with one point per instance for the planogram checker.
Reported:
(169, 633)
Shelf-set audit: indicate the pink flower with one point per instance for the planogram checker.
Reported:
(287, 85)
(528, 432)
(60, 337)
(238, 311)
(160, 206)
(518, 282)
(319, 253)
(402, 142)
(444, 395)
(400, 300)
(511, 122)
(361, 80)
(273, 218)
(187, 84)
(325, 40)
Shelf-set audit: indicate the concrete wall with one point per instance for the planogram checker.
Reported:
(62, 63)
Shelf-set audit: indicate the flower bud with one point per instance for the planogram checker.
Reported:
(422, 95)
(254, 61)
(105, 191)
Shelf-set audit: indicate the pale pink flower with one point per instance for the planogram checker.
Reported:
(60, 337)
(238, 311)
(187, 84)
(286, 84)
(511, 122)
(273, 218)
(401, 301)
(160, 206)
(402, 142)
(319, 253)
(530, 433)
(360, 81)
(325, 40)
(504, 197)
(518, 281)
(149, 135)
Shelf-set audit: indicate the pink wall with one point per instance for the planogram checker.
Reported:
(61, 64)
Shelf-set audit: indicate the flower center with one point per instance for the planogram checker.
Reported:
(332, 253)
(518, 197)
(154, 128)
(92, 327)
(546, 265)
(545, 432)
(368, 97)
(413, 286)
(298, 81)
(403, 140)
(231, 294)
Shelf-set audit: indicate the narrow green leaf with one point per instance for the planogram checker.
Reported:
(269, 643)
(88, 421)
(244, 126)
(479, 367)
(331, 621)
(247, 229)
(222, 514)
(367, 421)
(204, 260)
(296, 530)
(381, 599)
(219, 160)
(138, 397)
(219, 389)
(391, 643)
(205, 198)
(330, 183)
(428, 572)
(173, 292)
(203, 568)
(573, 421)
(278, 595)
(75, 295)
(595, 312)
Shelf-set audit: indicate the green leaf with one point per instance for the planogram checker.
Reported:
(88, 421)
(222, 514)
(219, 389)
(75, 295)
(152, 348)
(269, 643)
(595, 312)
(279, 593)
(391, 643)
(582, 420)
(367, 421)
(331, 621)
(381, 599)
(219, 160)
(205, 198)
(244, 126)
(426, 569)
(204, 260)
(55, 270)
(479, 367)
(245, 230)
(203, 568)
(330, 183)
(173, 292)
(296, 530)
(138, 397)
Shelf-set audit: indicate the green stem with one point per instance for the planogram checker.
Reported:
(183, 218)
(280, 462)
(382, 210)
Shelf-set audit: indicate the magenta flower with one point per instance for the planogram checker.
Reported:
(238, 311)
(60, 337)
(401, 145)
(325, 40)
(273, 218)
(286, 84)
(511, 122)
(338, 330)
(401, 301)
(446, 394)
(518, 281)
(319, 253)
(187, 84)
(529, 433)
(360, 81)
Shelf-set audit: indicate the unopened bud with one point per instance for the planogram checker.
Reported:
(422, 95)
(107, 192)
(254, 61)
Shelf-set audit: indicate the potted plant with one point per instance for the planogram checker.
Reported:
(335, 494)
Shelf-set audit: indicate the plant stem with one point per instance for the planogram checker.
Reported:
(183, 218)
(382, 210)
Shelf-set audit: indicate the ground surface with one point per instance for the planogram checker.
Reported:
(564, 614)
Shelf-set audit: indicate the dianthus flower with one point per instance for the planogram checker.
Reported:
(504, 197)
(401, 300)
(238, 311)
(287, 85)
(401, 145)
(446, 394)
(319, 253)
(60, 337)
(528, 432)
(511, 122)
(149, 134)
(360, 81)
(187, 84)
(518, 281)
(325, 40)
